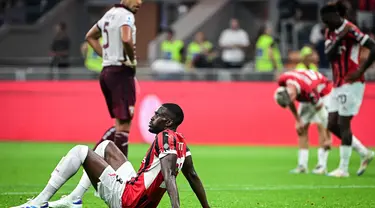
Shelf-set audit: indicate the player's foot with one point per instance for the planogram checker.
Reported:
(319, 170)
(364, 162)
(30, 204)
(66, 202)
(338, 173)
(300, 169)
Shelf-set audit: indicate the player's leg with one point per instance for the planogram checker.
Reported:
(303, 151)
(112, 155)
(120, 98)
(321, 120)
(66, 168)
(304, 111)
(109, 134)
(323, 150)
(350, 99)
(121, 138)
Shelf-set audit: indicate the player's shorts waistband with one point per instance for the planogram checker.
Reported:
(127, 71)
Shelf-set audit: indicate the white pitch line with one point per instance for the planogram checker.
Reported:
(244, 188)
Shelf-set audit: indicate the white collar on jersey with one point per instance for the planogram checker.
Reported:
(341, 28)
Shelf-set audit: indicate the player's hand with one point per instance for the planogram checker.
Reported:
(299, 127)
(354, 76)
(131, 64)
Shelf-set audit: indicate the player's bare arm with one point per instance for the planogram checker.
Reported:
(128, 42)
(92, 37)
(168, 169)
(194, 181)
(369, 44)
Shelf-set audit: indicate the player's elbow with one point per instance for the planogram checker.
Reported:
(127, 40)
(88, 37)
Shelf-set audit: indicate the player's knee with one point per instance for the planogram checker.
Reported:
(302, 132)
(100, 149)
(112, 151)
(80, 151)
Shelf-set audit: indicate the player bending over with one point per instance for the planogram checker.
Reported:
(167, 155)
(343, 46)
(310, 89)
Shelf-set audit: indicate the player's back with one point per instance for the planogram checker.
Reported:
(110, 25)
(306, 82)
(147, 188)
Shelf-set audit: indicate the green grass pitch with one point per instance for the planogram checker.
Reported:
(238, 177)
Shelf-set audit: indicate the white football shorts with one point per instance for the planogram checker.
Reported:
(346, 99)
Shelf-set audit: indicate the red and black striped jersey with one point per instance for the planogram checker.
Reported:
(348, 55)
(147, 188)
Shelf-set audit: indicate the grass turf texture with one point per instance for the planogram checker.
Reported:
(233, 177)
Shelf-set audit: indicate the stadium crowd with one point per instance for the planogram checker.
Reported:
(23, 12)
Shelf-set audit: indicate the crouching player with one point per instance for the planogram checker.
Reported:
(309, 88)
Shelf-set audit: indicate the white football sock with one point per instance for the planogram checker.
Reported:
(303, 157)
(359, 147)
(85, 183)
(322, 157)
(345, 154)
(66, 168)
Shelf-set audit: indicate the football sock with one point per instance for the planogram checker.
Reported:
(108, 135)
(345, 153)
(66, 168)
(359, 147)
(85, 183)
(322, 157)
(121, 141)
(303, 157)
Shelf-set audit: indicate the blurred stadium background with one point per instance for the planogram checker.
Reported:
(50, 96)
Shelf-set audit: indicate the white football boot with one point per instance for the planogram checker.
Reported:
(319, 170)
(30, 204)
(66, 202)
(364, 162)
(299, 170)
(338, 173)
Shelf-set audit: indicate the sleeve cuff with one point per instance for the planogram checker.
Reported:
(165, 153)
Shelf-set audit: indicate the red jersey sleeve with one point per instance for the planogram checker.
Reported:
(358, 35)
(166, 143)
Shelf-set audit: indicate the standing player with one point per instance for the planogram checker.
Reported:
(117, 27)
(309, 88)
(343, 44)
(167, 155)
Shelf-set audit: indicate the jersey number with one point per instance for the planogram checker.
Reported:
(106, 45)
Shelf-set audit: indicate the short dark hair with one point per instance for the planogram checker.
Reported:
(329, 8)
(176, 110)
(337, 7)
